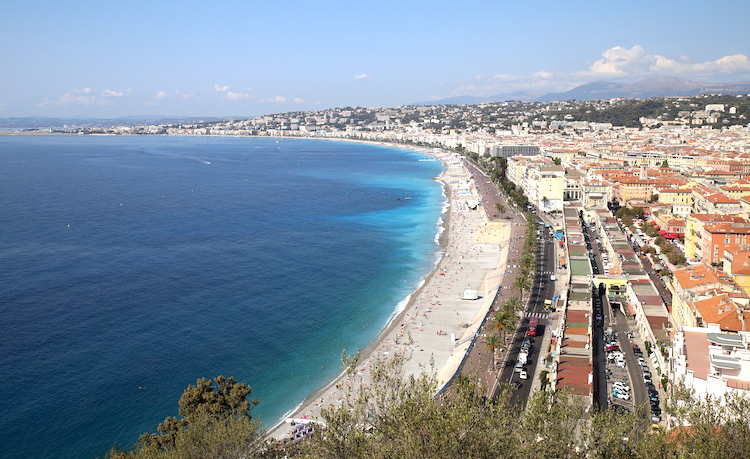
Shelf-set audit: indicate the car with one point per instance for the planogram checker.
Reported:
(621, 395)
(655, 417)
(611, 347)
(523, 375)
(552, 277)
(620, 385)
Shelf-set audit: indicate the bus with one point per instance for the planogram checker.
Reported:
(533, 323)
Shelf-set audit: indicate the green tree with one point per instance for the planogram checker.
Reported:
(522, 283)
(214, 421)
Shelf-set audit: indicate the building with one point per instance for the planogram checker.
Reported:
(507, 151)
(710, 362)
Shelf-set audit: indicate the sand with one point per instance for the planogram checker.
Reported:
(437, 324)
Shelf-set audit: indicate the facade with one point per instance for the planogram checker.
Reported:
(507, 151)
(711, 363)
(694, 284)
(694, 225)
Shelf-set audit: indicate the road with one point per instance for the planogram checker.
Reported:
(542, 289)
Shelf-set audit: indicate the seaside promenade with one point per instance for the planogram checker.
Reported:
(437, 326)
(480, 364)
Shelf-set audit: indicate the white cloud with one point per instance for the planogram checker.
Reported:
(232, 95)
(160, 95)
(298, 100)
(620, 62)
(362, 76)
(112, 93)
(543, 75)
(276, 99)
(78, 97)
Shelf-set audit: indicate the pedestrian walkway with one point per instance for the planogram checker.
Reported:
(539, 315)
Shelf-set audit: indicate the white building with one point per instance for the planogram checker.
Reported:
(710, 362)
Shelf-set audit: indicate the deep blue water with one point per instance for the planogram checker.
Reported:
(149, 262)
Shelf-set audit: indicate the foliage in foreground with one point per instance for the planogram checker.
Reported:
(396, 416)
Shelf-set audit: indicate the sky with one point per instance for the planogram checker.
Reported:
(234, 58)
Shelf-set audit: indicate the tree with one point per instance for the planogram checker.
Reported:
(522, 283)
(493, 343)
(500, 208)
(214, 421)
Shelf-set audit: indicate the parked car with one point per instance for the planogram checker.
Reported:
(620, 385)
(621, 394)
(523, 375)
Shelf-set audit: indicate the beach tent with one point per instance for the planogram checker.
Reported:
(470, 294)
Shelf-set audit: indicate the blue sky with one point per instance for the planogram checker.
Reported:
(246, 58)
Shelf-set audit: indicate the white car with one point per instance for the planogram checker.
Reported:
(620, 386)
(552, 277)
(523, 375)
(621, 395)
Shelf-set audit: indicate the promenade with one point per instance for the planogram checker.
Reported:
(437, 326)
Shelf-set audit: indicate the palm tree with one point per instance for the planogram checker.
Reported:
(522, 283)
(513, 304)
(493, 342)
(503, 320)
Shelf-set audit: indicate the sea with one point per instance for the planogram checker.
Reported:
(132, 266)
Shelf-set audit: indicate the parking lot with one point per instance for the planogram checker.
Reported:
(621, 379)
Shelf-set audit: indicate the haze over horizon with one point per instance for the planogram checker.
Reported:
(186, 59)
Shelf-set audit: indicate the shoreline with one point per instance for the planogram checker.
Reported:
(450, 319)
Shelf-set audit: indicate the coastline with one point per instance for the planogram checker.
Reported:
(436, 324)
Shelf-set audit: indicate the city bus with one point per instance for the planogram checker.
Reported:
(533, 323)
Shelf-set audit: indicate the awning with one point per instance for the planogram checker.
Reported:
(671, 235)
(662, 232)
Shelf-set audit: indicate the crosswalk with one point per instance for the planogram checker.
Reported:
(538, 315)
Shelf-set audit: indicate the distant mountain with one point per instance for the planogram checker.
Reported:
(650, 87)
(642, 89)
(32, 122)
(474, 100)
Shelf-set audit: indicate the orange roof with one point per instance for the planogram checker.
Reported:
(700, 275)
(719, 198)
(718, 218)
(727, 227)
(741, 262)
(723, 311)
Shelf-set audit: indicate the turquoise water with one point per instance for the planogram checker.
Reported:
(131, 266)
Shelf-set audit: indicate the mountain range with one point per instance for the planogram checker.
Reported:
(642, 89)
